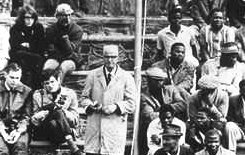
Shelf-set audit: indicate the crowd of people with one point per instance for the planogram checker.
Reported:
(194, 104)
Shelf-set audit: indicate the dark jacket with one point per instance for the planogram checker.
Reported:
(64, 48)
(16, 109)
(183, 151)
(235, 112)
(33, 35)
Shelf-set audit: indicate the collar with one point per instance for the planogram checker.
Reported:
(113, 72)
(168, 30)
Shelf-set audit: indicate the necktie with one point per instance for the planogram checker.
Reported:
(109, 77)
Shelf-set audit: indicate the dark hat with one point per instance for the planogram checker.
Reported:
(229, 48)
(156, 73)
(208, 82)
(171, 130)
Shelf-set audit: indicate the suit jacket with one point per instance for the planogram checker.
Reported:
(183, 151)
(235, 112)
(106, 134)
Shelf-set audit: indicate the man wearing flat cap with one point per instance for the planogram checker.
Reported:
(170, 142)
(209, 98)
(226, 68)
(108, 97)
(159, 92)
(63, 39)
(213, 144)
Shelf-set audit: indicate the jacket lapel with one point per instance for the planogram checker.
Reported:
(115, 78)
(101, 77)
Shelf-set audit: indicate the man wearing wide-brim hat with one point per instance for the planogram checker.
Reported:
(170, 142)
(226, 68)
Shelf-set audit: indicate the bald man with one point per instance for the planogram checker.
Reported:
(109, 96)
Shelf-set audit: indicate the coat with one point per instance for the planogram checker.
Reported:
(60, 48)
(235, 112)
(106, 134)
(69, 106)
(20, 106)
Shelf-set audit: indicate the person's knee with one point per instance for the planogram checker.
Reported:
(51, 64)
(67, 66)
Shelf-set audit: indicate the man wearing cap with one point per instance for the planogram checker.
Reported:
(226, 68)
(213, 144)
(235, 127)
(213, 36)
(180, 71)
(170, 142)
(176, 32)
(159, 92)
(210, 99)
(165, 118)
(108, 97)
(63, 39)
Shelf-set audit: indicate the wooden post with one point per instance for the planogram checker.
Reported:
(137, 73)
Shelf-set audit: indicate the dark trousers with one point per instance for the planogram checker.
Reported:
(54, 128)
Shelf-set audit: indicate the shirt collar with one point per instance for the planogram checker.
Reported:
(113, 72)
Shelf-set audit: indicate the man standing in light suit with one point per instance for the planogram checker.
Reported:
(109, 96)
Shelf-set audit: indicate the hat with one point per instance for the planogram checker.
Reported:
(63, 9)
(156, 73)
(171, 130)
(208, 82)
(110, 50)
(229, 48)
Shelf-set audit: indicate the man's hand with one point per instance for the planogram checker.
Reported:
(109, 109)
(13, 137)
(155, 139)
(96, 107)
(41, 115)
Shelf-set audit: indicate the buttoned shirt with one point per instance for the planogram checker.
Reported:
(166, 38)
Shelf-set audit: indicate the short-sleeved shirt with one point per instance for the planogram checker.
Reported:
(166, 38)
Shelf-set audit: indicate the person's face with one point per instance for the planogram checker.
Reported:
(167, 118)
(29, 20)
(178, 53)
(64, 19)
(52, 85)
(110, 61)
(13, 78)
(212, 144)
(175, 18)
(217, 20)
(230, 59)
(170, 143)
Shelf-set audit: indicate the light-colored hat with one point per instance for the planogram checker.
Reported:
(156, 73)
(208, 82)
(63, 9)
(232, 48)
(110, 50)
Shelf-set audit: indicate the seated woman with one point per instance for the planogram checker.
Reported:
(26, 43)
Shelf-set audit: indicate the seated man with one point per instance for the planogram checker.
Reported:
(63, 39)
(55, 111)
(235, 126)
(180, 71)
(210, 99)
(226, 68)
(166, 117)
(213, 144)
(15, 110)
(170, 142)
